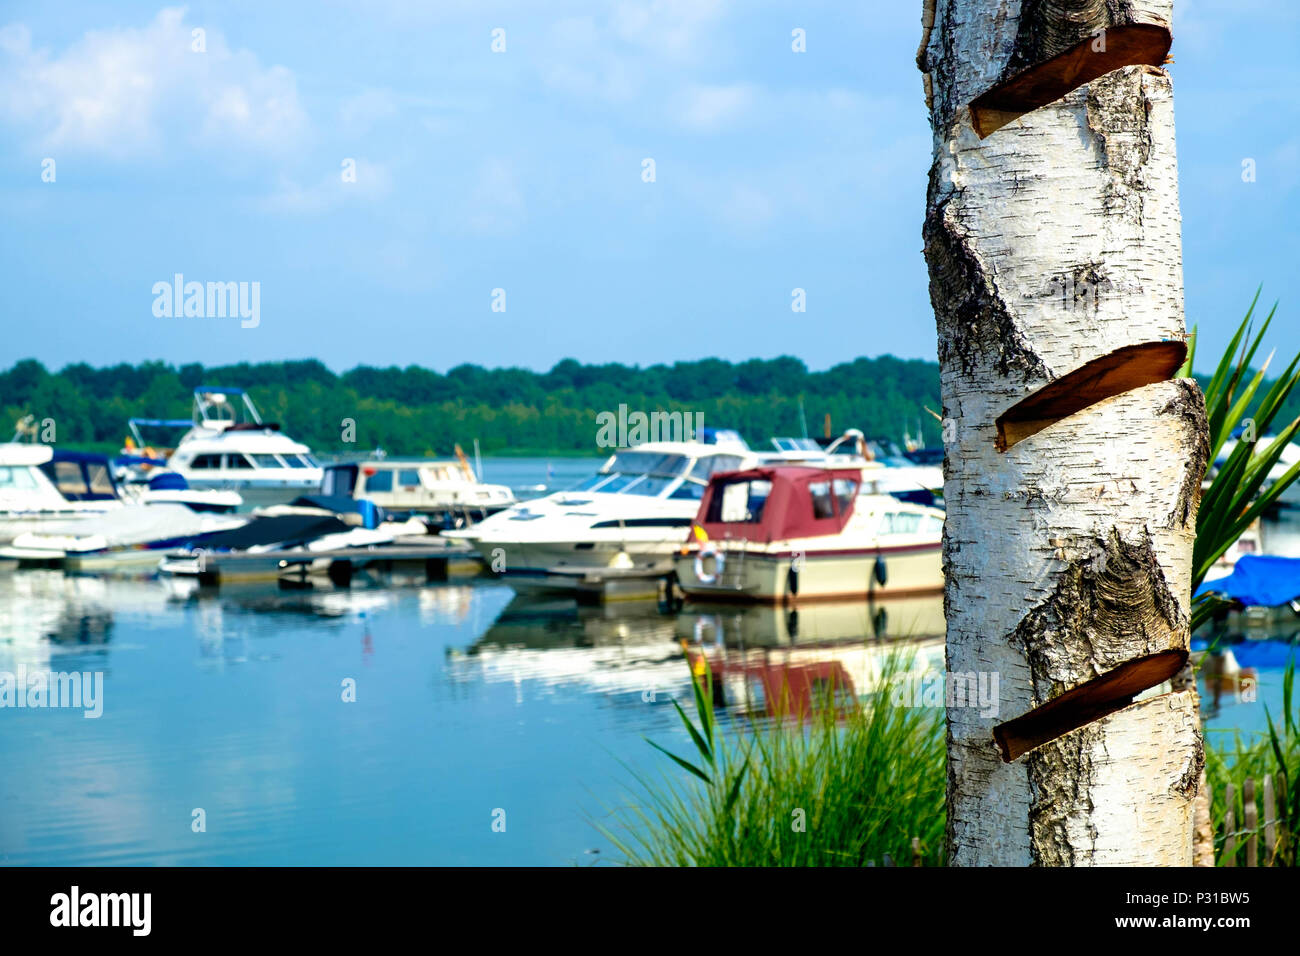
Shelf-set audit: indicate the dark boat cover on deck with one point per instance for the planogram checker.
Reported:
(286, 530)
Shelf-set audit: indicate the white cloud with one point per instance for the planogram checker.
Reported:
(131, 91)
(373, 181)
(673, 28)
(495, 205)
(711, 107)
(360, 113)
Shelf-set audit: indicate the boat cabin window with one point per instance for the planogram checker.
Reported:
(932, 525)
(101, 482)
(81, 480)
(693, 487)
(206, 461)
(339, 481)
(68, 479)
(591, 484)
(300, 461)
(741, 502)
(238, 462)
(409, 477)
(381, 480)
(617, 483)
(649, 485)
(691, 490)
(846, 489)
(267, 461)
(895, 522)
(822, 504)
(709, 464)
(17, 479)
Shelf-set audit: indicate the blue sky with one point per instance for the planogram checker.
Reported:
(522, 170)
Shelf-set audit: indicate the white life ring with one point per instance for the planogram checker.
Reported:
(719, 562)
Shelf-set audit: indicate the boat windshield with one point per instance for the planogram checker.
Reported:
(15, 478)
(636, 473)
(647, 463)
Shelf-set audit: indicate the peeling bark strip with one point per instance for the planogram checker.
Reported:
(1082, 63)
(1118, 762)
(1122, 370)
(1110, 608)
(1072, 478)
(1083, 705)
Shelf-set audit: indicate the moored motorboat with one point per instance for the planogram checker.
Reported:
(35, 493)
(794, 534)
(131, 535)
(229, 447)
(631, 515)
(448, 492)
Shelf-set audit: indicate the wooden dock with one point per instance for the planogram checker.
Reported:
(437, 560)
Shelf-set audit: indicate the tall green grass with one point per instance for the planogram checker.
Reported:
(845, 785)
(1255, 756)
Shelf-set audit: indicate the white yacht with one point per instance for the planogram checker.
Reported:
(633, 513)
(230, 447)
(448, 492)
(884, 471)
(30, 495)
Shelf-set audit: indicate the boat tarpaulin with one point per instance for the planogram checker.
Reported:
(1260, 580)
(370, 513)
(285, 530)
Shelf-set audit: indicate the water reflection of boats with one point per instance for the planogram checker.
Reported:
(44, 614)
(615, 648)
(905, 618)
(760, 655)
(638, 648)
(261, 600)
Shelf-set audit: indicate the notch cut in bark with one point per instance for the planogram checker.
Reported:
(1046, 82)
(1076, 708)
(1123, 370)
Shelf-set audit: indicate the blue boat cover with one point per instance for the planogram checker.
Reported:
(169, 481)
(1258, 579)
(161, 422)
(1264, 655)
(138, 460)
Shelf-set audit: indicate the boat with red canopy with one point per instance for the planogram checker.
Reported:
(793, 533)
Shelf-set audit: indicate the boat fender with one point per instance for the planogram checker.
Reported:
(880, 622)
(792, 579)
(881, 571)
(719, 562)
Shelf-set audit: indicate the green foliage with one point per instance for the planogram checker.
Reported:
(1275, 754)
(511, 410)
(866, 777)
(1236, 496)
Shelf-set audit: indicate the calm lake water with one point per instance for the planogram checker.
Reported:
(468, 701)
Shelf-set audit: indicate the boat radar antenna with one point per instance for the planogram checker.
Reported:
(859, 441)
(25, 429)
(464, 463)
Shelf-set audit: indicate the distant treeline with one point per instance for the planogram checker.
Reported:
(415, 411)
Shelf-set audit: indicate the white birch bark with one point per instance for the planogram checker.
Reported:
(1053, 242)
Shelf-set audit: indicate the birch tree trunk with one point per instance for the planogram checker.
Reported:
(1074, 459)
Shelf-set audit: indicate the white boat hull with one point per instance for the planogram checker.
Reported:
(792, 577)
